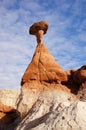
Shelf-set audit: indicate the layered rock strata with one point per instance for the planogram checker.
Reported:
(55, 111)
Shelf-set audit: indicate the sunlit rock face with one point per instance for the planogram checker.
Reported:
(43, 67)
(9, 97)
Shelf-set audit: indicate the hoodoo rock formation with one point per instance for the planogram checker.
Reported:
(43, 69)
(50, 98)
(43, 66)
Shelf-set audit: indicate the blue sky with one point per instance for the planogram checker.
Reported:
(65, 38)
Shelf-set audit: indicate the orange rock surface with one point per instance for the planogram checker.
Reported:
(7, 114)
(4, 108)
(43, 67)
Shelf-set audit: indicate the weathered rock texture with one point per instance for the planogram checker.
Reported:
(30, 95)
(77, 82)
(82, 92)
(9, 97)
(9, 117)
(80, 75)
(55, 111)
(43, 67)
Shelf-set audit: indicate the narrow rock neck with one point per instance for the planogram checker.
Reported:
(39, 36)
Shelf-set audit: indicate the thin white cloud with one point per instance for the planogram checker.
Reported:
(7, 3)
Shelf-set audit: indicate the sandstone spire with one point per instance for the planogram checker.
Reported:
(43, 66)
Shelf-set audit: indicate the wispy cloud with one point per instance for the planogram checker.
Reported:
(66, 36)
